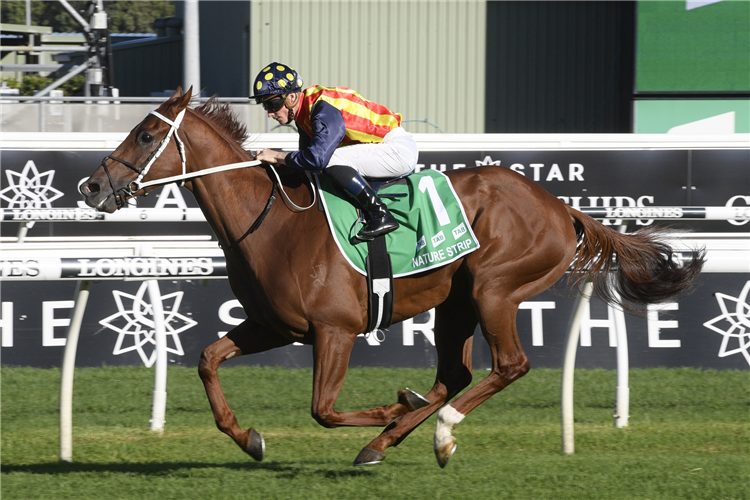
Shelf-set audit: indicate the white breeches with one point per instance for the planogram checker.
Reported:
(395, 156)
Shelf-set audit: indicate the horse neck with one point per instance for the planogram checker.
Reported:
(228, 199)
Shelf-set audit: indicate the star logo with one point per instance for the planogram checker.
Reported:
(733, 323)
(30, 189)
(136, 328)
(487, 161)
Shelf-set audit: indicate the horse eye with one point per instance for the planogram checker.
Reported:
(146, 138)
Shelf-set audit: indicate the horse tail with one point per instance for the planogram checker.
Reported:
(629, 270)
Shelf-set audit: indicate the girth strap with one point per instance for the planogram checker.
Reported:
(379, 285)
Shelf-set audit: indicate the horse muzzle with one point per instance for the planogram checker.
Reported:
(99, 196)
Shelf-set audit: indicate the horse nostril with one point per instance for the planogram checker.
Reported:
(90, 189)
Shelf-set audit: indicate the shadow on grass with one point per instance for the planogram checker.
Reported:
(167, 468)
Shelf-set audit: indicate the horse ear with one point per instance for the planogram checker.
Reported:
(184, 100)
(179, 100)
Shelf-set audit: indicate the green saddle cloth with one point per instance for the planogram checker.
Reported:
(433, 228)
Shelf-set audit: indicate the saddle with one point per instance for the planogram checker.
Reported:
(433, 231)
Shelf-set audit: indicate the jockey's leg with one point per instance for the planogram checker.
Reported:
(378, 220)
(394, 157)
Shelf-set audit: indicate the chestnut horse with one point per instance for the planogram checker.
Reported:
(295, 286)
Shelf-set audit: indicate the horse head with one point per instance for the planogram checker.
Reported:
(120, 173)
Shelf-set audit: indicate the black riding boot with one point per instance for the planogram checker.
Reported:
(378, 220)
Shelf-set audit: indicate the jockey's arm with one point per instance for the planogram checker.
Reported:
(328, 129)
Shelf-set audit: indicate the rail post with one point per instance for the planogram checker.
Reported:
(159, 405)
(622, 392)
(569, 366)
(68, 371)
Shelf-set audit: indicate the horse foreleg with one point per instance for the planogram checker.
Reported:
(331, 352)
(247, 338)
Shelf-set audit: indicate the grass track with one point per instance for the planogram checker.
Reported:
(689, 438)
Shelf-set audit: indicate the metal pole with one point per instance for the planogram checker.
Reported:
(70, 74)
(569, 365)
(42, 116)
(73, 12)
(159, 405)
(622, 392)
(68, 372)
(191, 40)
(622, 410)
(23, 230)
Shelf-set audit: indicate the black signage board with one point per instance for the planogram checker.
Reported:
(626, 178)
(34, 314)
(700, 330)
(580, 178)
(719, 178)
(50, 179)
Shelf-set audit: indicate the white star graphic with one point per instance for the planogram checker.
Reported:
(733, 323)
(487, 161)
(135, 325)
(30, 189)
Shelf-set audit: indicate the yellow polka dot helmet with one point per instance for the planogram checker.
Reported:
(275, 79)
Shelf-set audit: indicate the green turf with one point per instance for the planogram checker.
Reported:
(688, 439)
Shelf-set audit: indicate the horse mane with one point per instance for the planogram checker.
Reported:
(226, 122)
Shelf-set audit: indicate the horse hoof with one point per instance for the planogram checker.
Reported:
(411, 399)
(369, 457)
(257, 446)
(443, 453)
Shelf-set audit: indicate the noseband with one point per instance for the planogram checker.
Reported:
(135, 186)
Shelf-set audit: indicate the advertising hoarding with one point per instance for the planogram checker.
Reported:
(705, 329)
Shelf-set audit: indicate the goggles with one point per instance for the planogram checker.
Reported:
(273, 105)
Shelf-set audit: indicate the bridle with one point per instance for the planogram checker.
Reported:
(137, 185)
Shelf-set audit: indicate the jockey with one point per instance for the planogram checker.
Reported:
(342, 134)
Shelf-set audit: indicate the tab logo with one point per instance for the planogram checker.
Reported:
(438, 239)
(459, 230)
(421, 243)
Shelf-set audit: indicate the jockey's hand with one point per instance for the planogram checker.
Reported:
(270, 156)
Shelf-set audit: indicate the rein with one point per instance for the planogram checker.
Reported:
(257, 222)
(137, 185)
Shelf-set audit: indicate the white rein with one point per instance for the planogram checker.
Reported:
(137, 185)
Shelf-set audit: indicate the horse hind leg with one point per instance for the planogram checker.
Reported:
(497, 292)
(497, 309)
(454, 329)
(509, 363)
(246, 338)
